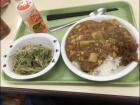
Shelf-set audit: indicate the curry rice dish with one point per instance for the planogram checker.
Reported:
(90, 42)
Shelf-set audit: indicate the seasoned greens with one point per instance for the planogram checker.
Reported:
(30, 59)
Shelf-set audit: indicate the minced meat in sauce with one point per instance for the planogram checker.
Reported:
(90, 42)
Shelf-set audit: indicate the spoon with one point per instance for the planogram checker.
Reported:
(96, 12)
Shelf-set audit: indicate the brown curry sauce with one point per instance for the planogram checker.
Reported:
(90, 42)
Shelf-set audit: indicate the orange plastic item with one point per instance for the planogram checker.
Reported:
(31, 16)
(23, 6)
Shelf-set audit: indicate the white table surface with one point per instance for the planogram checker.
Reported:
(12, 18)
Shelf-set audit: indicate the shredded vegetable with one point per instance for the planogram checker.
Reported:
(30, 59)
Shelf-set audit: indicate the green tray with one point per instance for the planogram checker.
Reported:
(60, 74)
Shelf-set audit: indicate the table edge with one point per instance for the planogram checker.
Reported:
(78, 95)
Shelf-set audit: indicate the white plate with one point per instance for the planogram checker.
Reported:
(39, 38)
(120, 74)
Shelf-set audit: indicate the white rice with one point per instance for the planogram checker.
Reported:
(108, 67)
(76, 64)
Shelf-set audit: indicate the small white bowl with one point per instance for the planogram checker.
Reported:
(82, 74)
(39, 38)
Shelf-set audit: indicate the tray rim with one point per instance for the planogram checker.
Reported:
(20, 23)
